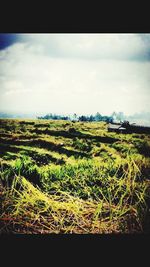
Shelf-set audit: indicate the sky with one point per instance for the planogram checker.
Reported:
(75, 73)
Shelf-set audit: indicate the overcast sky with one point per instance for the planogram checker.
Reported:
(81, 73)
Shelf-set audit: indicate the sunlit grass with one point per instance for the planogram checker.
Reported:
(28, 209)
(72, 183)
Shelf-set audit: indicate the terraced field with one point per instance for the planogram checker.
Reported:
(65, 177)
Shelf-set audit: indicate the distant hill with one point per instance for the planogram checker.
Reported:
(142, 118)
(7, 115)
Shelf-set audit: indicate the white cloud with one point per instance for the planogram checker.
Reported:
(89, 46)
(46, 73)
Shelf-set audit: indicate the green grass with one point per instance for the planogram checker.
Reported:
(64, 177)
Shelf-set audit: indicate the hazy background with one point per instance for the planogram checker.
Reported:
(75, 73)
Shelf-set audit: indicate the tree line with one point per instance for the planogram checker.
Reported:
(97, 117)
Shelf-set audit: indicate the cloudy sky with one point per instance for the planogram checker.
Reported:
(81, 73)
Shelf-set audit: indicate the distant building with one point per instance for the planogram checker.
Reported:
(116, 128)
(125, 127)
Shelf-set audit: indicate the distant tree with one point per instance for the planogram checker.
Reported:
(113, 116)
(120, 116)
(110, 119)
(98, 116)
(64, 118)
(91, 118)
(82, 118)
(75, 116)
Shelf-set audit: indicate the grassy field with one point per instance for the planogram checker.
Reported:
(65, 177)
